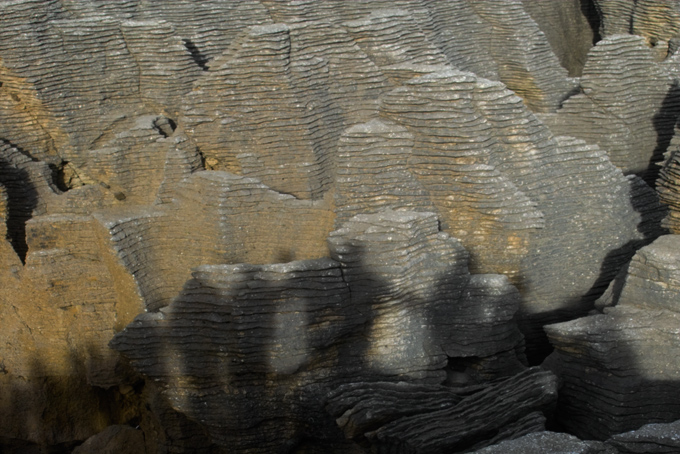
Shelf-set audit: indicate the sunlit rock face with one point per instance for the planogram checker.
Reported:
(397, 186)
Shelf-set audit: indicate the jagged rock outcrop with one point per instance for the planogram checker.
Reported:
(618, 369)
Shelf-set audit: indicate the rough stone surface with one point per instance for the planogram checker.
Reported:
(569, 26)
(651, 438)
(619, 369)
(423, 176)
(403, 418)
(634, 126)
(548, 443)
(655, 20)
(396, 304)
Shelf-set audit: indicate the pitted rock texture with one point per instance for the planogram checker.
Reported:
(619, 368)
(152, 154)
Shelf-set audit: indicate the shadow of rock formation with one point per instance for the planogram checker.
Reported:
(251, 351)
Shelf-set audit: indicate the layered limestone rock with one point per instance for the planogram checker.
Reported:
(654, 20)
(60, 309)
(618, 369)
(294, 194)
(251, 350)
(667, 187)
(570, 27)
(634, 126)
(414, 418)
(469, 134)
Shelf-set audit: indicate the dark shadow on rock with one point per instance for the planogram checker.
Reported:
(198, 57)
(22, 198)
(247, 353)
(49, 414)
(664, 125)
(591, 13)
(598, 399)
(250, 353)
(644, 202)
(617, 368)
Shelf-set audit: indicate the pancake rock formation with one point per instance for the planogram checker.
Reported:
(626, 356)
(274, 226)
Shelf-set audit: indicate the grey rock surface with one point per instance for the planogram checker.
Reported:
(651, 438)
(548, 443)
(619, 369)
(294, 196)
(251, 350)
(411, 418)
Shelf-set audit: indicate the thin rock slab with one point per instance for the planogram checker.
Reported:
(446, 420)
(651, 438)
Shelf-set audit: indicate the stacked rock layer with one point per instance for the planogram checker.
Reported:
(619, 368)
(220, 217)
